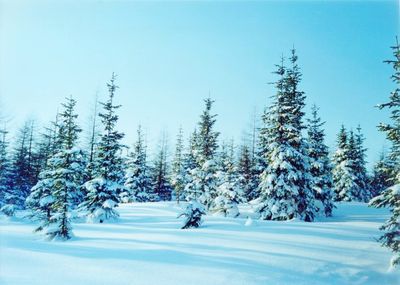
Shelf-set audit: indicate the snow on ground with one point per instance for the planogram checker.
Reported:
(147, 247)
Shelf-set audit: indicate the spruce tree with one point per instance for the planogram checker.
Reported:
(321, 168)
(41, 197)
(344, 176)
(161, 186)
(247, 174)
(7, 205)
(22, 165)
(178, 171)
(382, 175)
(391, 196)
(203, 176)
(360, 166)
(108, 170)
(63, 178)
(228, 194)
(137, 176)
(190, 166)
(286, 184)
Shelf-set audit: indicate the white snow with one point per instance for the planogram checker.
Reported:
(146, 246)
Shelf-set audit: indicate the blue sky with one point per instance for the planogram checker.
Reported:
(170, 55)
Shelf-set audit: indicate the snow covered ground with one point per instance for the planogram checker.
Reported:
(147, 247)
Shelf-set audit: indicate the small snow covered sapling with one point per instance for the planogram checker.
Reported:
(193, 214)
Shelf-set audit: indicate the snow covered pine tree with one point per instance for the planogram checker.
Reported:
(228, 196)
(391, 196)
(321, 168)
(59, 184)
(286, 183)
(137, 180)
(108, 168)
(201, 190)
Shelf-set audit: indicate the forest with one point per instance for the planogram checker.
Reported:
(285, 172)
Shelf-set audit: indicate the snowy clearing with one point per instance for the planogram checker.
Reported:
(146, 246)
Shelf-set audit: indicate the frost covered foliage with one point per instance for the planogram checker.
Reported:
(247, 174)
(349, 174)
(227, 196)
(391, 197)
(189, 164)
(391, 238)
(286, 182)
(51, 198)
(193, 215)
(8, 200)
(321, 169)
(108, 168)
(137, 180)
(383, 175)
(160, 182)
(203, 179)
(178, 172)
(22, 173)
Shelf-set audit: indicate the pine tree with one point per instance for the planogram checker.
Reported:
(22, 175)
(92, 140)
(203, 176)
(382, 175)
(137, 177)
(391, 196)
(190, 166)
(7, 205)
(104, 187)
(321, 168)
(62, 180)
(193, 215)
(41, 197)
(285, 187)
(247, 174)
(228, 194)
(344, 176)
(360, 166)
(161, 186)
(178, 171)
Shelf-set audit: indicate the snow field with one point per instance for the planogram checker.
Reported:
(147, 246)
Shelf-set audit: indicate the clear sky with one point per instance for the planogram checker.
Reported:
(170, 55)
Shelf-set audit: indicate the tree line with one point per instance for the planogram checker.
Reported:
(287, 172)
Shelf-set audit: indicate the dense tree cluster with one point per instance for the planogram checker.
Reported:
(284, 170)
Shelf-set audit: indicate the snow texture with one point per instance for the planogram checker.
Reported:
(147, 246)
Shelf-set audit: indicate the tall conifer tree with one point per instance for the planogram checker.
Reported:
(321, 169)
(108, 170)
(391, 196)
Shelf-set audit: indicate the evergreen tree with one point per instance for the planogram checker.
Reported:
(344, 177)
(382, 175)
(321, 169)
(286, 184)
(203, 176)
(7, 205)
(104, 187)
(228, 193)
(360, 166)
(247, 174)
(22, 175)
(92, 140)
(161, 187)
(137, 176)
(178, 171)
(41, 197)
(190, 165)
(62, 180)
(193, 215)
(391, 196)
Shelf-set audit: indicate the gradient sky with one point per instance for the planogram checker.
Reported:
(170, 55)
